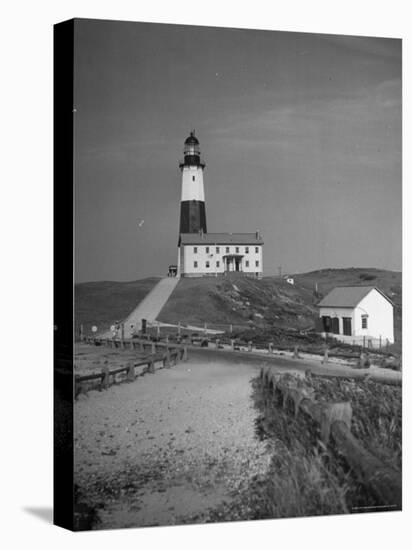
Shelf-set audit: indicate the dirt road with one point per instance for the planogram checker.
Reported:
(170, 447)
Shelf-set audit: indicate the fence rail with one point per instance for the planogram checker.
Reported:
(334, 421)
(168, 357)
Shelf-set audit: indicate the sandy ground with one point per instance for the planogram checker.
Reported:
(170, 447)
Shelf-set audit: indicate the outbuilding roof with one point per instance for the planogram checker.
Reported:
(221, 238)
(348, 296)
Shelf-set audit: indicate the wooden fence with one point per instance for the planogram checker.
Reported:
(167, 357)
(334, 421)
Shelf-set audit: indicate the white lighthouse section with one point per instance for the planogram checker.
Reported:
(192, 184)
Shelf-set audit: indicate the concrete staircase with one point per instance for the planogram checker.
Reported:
(151, 305)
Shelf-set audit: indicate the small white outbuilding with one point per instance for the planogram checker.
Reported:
(357, 314)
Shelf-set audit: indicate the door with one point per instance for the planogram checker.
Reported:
(347, 326)
(335, 325)
(326, 323)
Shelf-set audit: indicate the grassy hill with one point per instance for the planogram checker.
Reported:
(104, 302)
(267, 303)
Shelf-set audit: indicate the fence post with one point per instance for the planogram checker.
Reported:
(362, 360)
(150, 367)
(153, 348)
(122, 334)
(296, 352)
(158, 330)
(205, 328)
(364, 341)
(179, 328)
(249, 345)
(166, 358)
(217, 343)
(105, 380)
(184, 353)
(141, 346)
(325, 356)
(231, 329)
(232, 343)
(270, 347)
(130, 373)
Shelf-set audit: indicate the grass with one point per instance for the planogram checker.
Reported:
(306, 478)
(103, 303)
(267, 305)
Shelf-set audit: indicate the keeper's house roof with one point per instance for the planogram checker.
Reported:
(348, 296)
(221, 238)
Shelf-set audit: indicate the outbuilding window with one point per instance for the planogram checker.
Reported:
(208, 264)
(195, 250)
(217, 250)
(364, 321)
(237, 250)
(257, 263)
(247, 263)
(194, 264)
(217, 263)
(207, 250)
(246, 250)
(257, 249)
(227, 250)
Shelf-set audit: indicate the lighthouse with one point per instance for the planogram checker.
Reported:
(192, 205)
(202, 254)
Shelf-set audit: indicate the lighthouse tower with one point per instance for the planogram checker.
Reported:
(192, 206)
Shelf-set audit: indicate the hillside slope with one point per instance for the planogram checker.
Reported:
(239, 301)
(271, 302)
(266, 303)
(104, 302)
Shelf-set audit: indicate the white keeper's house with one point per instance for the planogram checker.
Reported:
(357, 314)
(209, 254)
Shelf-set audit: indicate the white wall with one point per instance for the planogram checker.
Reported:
(380, 317)
(192, 184)
(189, 257)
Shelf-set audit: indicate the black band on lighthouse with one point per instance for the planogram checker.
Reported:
(192, 217)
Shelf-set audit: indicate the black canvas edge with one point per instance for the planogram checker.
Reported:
(63, 91)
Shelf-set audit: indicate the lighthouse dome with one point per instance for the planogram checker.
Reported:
(192, 139)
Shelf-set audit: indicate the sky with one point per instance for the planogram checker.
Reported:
(301, 134)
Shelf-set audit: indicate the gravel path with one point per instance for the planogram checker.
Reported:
(168, 448)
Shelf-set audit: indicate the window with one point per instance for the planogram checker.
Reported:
(207, 250)
(246, 250)
(227, 250)
(217, 263)
(194, 264)
(247, 263)
(207, 264)
(237, 250)
(195, 250)
(257, 249)
(193, 178)
(364, 321)
(218, 250)
(257, 263)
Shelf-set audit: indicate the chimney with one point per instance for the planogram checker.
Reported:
(257, 234)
